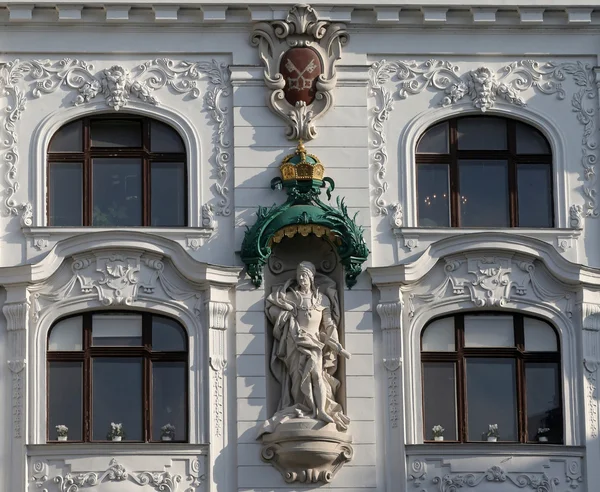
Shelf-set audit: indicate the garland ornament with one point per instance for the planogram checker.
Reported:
(304, 213)
(299, 56)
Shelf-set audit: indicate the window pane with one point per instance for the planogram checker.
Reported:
(544, 401)
(530, 141)
(491, 398)
(116, 133)
(434, 140)
(483, 198)
(124, 330)
(539, 336)
(168, 194)
(432, 193)
(489, 331)
(117, 198)
(534, 182)
(439, 398)
(65, 400)
(169, 399)
(66, 195)
(481, 133)
(163, 138)
(68, 138)
(439, 336)
(167, 335)
(66, 335)
(117, 397)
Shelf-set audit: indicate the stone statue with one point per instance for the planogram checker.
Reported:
(305, 314)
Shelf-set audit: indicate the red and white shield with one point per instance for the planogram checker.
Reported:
(300, 68)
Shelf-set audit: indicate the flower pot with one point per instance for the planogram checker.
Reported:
(117, 438)
(438, 438)
(62, 438)
(492, 438)
(166, 438)
(542, 439)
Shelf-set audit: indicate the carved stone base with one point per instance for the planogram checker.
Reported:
(307, 450)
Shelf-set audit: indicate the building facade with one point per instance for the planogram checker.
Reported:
(256, 247)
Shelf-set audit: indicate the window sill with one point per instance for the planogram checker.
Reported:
(114, 449)
(492, 448)
(419, 238)
(41, 239)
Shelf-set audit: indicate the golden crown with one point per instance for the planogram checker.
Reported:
(301, 166)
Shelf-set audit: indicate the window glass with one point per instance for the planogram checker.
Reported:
(65, 399)
(116, 133)
(117, 329)
(167, 335)
(117, 197)
(168, 180)
(66, 195)
(66, 335)
(68, 139)
(439, 336)
(481, 133)
(439, 398)
(530, 141)
(483, 198)
(491, 398)
(539, 336)
(544, 413)
(117, 397)
(164, 139)
(434, 140)
(168, 389)
(534, 184)
(489, 331)
(433, 195)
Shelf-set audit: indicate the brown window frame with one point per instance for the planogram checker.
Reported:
(461, 353)
(144, 352)
(89, 153)
(509, 155)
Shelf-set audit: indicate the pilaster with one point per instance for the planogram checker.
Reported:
(389, 309)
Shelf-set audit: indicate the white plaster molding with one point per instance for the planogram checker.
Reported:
(208, 217)
(396, 215)
(301, 29)
(118, 85)
(218, 365)
(591, 361)
(483, 87)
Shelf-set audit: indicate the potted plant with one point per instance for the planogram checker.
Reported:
(542, 434)
(167, 432)
(492, 433)
(438, 433)
(62, 431)
(116, 432)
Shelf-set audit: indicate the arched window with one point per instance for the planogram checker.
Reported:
(110, 171)
(484, 171)
(482, 370)
(124, 368)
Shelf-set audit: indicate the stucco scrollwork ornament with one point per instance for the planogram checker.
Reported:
(299, 55)
(576, 217)
(307, 438)
(391, 316)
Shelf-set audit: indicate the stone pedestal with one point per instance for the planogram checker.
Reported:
(307, 450)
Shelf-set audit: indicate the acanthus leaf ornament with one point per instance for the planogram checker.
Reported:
(299, 56)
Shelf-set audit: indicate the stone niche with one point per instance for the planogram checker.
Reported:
(303, 446)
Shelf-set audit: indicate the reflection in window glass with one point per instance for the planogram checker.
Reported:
(539, 336)
(530, 141)
(163, 138)
(168, 392)
(117, 397)
(491, 397)
(168, 180)
(439, 336)
(486, 330)
(433, 195)
(167, 335)
(481, 133)
(543, 401)
(439, 398)
(66, 196)
(65, 398)
(68, 138)
(483, 197)
(534, 184)
(123, 330)
(66, 335)
(117, 195)
(435, 140)
(116, 133)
